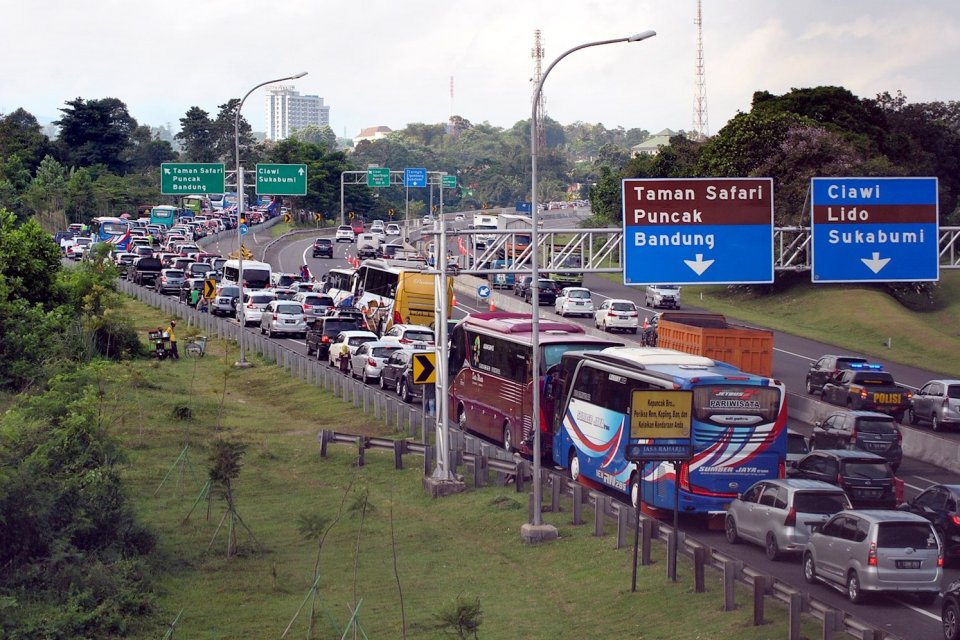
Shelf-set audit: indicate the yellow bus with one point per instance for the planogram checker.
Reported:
(399, 291)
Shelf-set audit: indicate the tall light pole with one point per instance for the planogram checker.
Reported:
(236, 147)
(534, 531)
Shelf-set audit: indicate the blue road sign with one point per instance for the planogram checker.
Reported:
(483, 292)
(243, 229)
(874, 230)
(698, 230)
(414, 177)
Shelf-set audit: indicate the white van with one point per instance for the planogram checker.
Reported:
(368, 245)
(663, 295)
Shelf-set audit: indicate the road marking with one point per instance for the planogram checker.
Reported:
(912, 486)
(813, 359)
(923, 611)
(925, 479)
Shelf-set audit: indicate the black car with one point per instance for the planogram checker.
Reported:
(938, 504)
(522, 285)
(397, 375)
(827, 368)
(323, 248)
(950, 611)
(325, 329)
(548, 292)
(867, 478)
(864, 430)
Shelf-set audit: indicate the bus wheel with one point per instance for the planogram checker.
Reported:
(507, 438)
(574, 465)
(634, 491)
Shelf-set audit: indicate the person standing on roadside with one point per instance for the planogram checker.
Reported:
(173, 340)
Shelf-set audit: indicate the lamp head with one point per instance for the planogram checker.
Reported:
(299, 75)
(641, 36)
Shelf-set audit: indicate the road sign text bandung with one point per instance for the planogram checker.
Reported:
(179, 178)
(698, 230)
(874, 229)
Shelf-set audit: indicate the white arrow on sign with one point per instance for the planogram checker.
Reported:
(699, 265)
(300, 171)
(165, 170)
(876, 263)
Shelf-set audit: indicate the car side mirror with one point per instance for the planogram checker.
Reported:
(818, 423)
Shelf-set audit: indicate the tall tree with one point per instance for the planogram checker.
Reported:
(225, 128)
(196, 136)
(95, 132)
(47, 190)
(81, 196)
(22, 136)
(315, 134)
(147, 150)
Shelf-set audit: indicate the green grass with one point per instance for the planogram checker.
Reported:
(852, 317)
(468, 544)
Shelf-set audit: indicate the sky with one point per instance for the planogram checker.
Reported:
(390, 62)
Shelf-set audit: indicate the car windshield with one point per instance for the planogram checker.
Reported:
(383, 352)
(902, 535)
(876, 425)
(623, 306)
(819, 503)
(289, 308)
(871, 470)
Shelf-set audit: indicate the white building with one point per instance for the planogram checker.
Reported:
(288, 111)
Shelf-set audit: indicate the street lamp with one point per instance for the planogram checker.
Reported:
(236, 147)
(538, 533)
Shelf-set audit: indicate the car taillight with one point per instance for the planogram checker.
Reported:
(307, 306)
(791, 519)
(872, 555)
(899, 436)
(250, 305)
(325, 339)
(632, 314)
(371, 362)
(782, 469)
(853, 436)
(864, 393)
(276, 316)
(405, 341)
(839, 479)
(611, 314)
(955, 519)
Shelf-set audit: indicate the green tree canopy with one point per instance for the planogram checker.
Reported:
(95, 132)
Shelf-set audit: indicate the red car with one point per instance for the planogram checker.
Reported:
(357, 226)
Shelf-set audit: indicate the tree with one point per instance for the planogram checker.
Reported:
(29, 261)
(22, 136)
(315, 134)
(196, 136)
(148, 151)
(47, 190)
(324, 167)
(95, 132)
(224, 135)
(81, 196)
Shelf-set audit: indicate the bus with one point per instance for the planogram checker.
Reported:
(256, 275)
(738, 430)
(196, 204)
(337, 283)
(164, 215)
(491, 360)
(115, 231)
(399, 289)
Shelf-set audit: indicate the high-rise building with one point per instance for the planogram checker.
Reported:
(288, 111)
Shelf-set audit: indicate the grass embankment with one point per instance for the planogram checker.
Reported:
(468, 544)
(854, 318)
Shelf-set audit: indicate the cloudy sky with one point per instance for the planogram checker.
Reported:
(389, 62)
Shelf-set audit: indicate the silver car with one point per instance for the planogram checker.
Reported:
(937, 402)
(867, 551)
(781, 514)
(283, 316)
(254, 302)
(367, 361)
(314, 305)
(170, 281)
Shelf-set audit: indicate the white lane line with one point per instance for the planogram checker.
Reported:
(926, 479)
(913, 486)
(923, 611)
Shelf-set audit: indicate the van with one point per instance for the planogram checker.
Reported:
(663, 295)
(368, 245)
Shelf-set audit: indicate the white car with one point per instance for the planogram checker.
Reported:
(377, 225)
(574, 301)
(345, 234)
(617, 314)
(407, 334)
(254, 302)
(367, 361)
(459, 217)
(353, 340)
(80, 248)
(393, 229)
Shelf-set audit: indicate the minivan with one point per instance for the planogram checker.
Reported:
(781, 514)
(864, 430)
(871, 551)
(866, 477)
(663, 295)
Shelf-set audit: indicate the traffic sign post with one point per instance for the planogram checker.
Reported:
(186, 178)
(448, 182)
(282, 179)
(698, 231)
(209, 288)
(378, 177)
(243, 229)
(425, 368)
(414, 177)
(483, 292)
(874, 230)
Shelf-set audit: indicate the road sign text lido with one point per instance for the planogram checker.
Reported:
(698, 230)
(874, 229)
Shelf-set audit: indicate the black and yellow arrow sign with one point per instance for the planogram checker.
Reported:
(424, 368)
(318, 217)
(287, 217)
(209, 288)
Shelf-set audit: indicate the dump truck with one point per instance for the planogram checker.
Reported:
(709, 334)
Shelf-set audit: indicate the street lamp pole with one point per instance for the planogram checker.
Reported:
(236, 148)
(535, 270)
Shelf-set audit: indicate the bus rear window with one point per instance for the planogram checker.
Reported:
(730, 399)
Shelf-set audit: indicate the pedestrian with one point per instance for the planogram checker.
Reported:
(173, 340)
(202, 305)
(430, 398)
(305, 273)
(194, 297)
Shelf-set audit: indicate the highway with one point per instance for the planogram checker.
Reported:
(899, 615)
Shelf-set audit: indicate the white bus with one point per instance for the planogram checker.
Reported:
(337, 284)
(400, 291)
(256, 275)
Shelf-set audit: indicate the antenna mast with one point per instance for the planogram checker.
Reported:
(700, 127)
(537, 54)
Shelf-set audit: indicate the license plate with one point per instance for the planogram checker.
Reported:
(869, 493)
(289, 321)
(908, 564)
(579, 304)
(624, 317)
